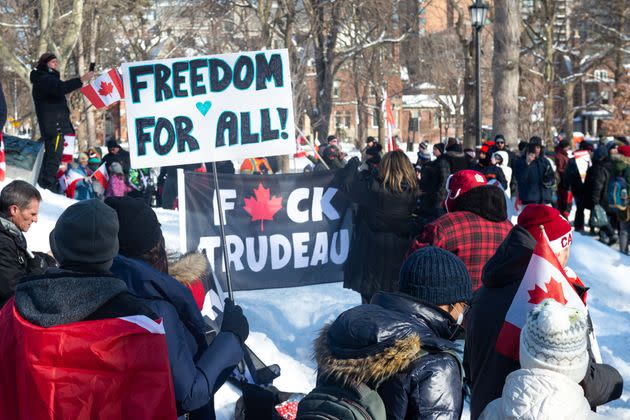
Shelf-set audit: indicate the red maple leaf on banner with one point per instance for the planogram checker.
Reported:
(262, 207)
(106, 88)
(554, 291)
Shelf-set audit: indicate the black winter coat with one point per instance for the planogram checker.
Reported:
(15, 260)
(60, 297)
(49, 96)
(433, 184)
(121, 157)
(382, 232)
(495, 172)
(535, 181)
(486, 369)
(596, 184)
(456, 160)
(397, 346)
(573, 180)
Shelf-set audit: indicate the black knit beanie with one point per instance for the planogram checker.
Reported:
(140, 230)
(85, 237)
(436, 276)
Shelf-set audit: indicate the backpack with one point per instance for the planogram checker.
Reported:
(334, 402)
(618, 194)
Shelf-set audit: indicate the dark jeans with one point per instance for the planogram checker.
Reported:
(578, 223)
(624, 231)
(53, 149)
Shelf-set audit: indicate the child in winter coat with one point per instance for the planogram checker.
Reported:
(554, 360)
(117, 187)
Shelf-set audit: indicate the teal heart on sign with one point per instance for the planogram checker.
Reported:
(204, 107)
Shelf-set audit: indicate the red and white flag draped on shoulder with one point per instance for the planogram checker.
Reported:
(105, 90)
(544, 279)
(114, 368)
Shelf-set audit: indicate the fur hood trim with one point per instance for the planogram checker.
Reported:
(372, 369)
(189, 268)
(621, 158)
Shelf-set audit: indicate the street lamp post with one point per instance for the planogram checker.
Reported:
(478, 12)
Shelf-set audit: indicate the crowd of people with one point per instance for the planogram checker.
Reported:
(438, 253)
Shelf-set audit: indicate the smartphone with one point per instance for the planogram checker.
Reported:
(92, 65)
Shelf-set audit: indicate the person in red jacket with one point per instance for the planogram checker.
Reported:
(475, 225)
(75, 343)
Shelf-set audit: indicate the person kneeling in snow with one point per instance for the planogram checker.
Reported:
(198, 368)
(487, 368)
(554, 360)
(402, 344)
(75, 343)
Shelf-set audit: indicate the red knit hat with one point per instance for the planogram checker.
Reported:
(624, 150)
(462, 182)
(557, 228)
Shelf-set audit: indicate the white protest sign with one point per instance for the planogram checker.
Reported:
(210, 108)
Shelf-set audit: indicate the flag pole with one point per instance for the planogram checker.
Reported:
(226, 261)
(314, 149)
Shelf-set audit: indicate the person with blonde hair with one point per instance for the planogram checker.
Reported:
(385, 202)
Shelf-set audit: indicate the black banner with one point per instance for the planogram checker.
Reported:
(281, 230)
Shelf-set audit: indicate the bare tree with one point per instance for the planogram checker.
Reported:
(507, 32)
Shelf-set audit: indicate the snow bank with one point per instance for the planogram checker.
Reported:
(284, 322)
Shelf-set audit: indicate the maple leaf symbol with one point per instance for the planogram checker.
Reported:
(106, 88)
(262, 207)
(554, 291)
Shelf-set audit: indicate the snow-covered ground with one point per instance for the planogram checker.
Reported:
(284, 322)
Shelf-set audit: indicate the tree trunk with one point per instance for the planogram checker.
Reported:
(505, 61)
(570, 111)
(548, 83)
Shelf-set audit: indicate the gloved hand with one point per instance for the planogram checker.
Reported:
(234, 321)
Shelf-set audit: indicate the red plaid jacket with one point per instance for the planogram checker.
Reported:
(469, 236)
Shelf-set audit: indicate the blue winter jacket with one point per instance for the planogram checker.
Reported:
(198, 369)
(535, 181)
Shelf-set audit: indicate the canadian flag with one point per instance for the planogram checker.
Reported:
(3, 163)
(102, 176)
(544, 279)
(72, 177)
(390, 123)
(69, 141)
(105, 90)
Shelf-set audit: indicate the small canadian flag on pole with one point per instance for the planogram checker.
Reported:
(544, 279)
(390, 123)
(105, 90)
(69, 141)
(102, 176)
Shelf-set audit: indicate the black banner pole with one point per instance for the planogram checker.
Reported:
(228, 276)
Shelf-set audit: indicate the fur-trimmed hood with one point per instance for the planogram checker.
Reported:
(371, 343)
(189, 268)
(370, 369)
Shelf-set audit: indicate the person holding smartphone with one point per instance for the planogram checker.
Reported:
(53, 114)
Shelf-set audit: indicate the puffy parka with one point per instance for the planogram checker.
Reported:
(398, 346)
(198, 369)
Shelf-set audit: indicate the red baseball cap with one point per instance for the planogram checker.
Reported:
(557, 228)
(462, 182)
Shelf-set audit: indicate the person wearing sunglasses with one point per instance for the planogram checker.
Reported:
(403, 344)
